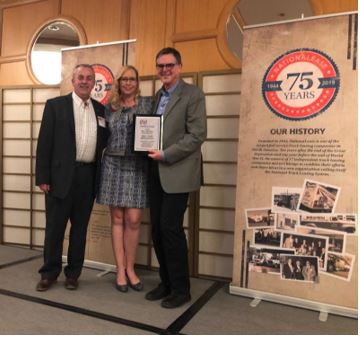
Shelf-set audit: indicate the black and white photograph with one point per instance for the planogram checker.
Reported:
(318, 198)
(267, 237)
(266, 260)
(338, 222)
(340, 265)
(285, 199)
(337, 239)
(259, 218)
(299, 268)
(286, 221)
(305, 245)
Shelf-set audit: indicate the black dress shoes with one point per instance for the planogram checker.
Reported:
(45, 284)
(121, 287)
(158, 293)
(175, 300)
(137, 287)
(71, 283)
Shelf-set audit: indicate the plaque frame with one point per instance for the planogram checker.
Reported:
(157, 121)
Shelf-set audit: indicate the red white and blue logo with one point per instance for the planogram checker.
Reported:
(301, 84)
(103, 82)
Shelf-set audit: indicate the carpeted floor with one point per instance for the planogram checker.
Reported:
(98, 308)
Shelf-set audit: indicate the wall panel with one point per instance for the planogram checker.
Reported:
(14, 73)
(154, 23)
(103, 21)
(39, 220)
(186, 21)
(215, 105)
(208, 264)
(19, 96)
(16, 130)
(217, 197)
(321, 7)
(21, 22)
(16, 112)
(219, 151)
(16, 200)
(16, 183)
(16, 148)
(220, 173)
(213, 219)
(148, 23)
(38, 237)
(22, 202)
(216, 242)
(223, 128)
(200, 55)
(16, 235)
(16, 165)
(13, 218)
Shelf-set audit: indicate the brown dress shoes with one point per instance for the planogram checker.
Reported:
(71, 283)
(45, 284)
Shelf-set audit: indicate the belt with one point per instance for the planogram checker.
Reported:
(82, 164)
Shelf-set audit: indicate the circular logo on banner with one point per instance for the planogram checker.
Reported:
(301, 84)
(103, 83)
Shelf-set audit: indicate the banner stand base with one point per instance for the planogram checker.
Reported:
(323, 316)
(107, 268)
(101, 274)
(255, 302)
(323, 308)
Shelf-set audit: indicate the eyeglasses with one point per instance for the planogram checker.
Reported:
(128, 79)
(165, 65)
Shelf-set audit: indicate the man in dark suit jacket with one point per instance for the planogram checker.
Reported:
(288, 270)
(175, 171)
(71, 140)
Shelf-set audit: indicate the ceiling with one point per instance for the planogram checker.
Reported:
(59, 33)
(254, 12)
(264, 11)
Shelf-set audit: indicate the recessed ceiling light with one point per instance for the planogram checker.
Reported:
(53, 28)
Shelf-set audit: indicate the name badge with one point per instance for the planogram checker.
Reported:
(101, 122)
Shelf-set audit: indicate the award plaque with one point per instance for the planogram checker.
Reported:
(147, 132)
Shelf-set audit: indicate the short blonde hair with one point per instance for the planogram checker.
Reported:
(115, 95)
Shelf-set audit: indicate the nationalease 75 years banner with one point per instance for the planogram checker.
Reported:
(296, 207)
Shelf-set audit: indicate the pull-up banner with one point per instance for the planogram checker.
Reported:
(106, 60)
(296, 205)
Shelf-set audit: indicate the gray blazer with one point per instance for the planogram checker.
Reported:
(184, 131)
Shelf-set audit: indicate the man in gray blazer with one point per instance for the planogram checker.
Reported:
(71, 140)
(176, 170)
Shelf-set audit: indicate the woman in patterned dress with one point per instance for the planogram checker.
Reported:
(124, 175)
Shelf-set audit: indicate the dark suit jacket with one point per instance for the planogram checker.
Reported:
(184, 131)
(56, 148)
(287, 273)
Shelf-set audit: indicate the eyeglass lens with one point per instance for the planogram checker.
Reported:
(165, 65)
(128, 79)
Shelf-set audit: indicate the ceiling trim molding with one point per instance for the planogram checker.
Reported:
(16, 3)
(12, 58)
(196, 35)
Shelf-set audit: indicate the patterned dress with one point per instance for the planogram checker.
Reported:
(124, 173)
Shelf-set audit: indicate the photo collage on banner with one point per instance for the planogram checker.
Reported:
(300, 235)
